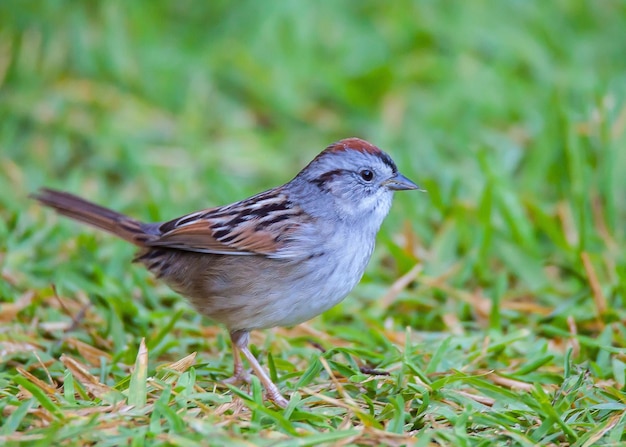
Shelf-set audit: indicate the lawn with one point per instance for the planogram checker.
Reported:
(493, 310)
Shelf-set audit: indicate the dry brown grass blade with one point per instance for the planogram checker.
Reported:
(573, 329)
(12, 347)
(399, 285)
(90, 353)
(488, 401)
(49, 389)
(8, 311)
(175, 369)
(453, 323)
(338, 384)
(328, 399)
(598, 296)
(20, 438)
(528, 307)
(510, 383)
(181, 365)
(613, 421)
(91, 384)
(564, 213)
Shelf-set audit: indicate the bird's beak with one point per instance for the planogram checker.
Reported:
(400, 183)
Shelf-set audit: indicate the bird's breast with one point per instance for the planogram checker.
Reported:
(327, 277)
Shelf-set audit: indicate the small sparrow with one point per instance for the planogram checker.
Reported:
(278, 258)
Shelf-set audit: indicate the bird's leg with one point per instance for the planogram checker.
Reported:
(240, 375)
(240, 341)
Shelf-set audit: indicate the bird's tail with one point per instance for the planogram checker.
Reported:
(87, 212)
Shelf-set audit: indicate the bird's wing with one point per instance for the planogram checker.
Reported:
(266, 224)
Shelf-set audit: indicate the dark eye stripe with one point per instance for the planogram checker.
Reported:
(326, 177)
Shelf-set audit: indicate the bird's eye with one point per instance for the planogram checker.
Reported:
(367, 175)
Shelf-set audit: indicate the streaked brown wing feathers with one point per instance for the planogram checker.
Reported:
(199, 236)
(263, 224)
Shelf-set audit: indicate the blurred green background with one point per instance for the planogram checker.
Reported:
(511, 114)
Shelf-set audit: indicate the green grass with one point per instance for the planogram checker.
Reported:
(494, 306)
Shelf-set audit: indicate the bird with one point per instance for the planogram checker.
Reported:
(278, 258)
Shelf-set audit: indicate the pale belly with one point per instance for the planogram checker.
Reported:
(253, 292)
